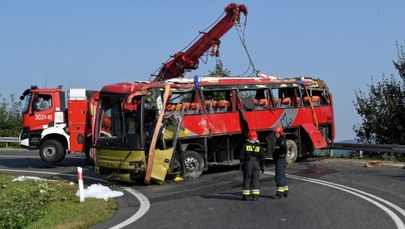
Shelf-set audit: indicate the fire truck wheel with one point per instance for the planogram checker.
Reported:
(194, 164)
(52, 151)
(292, 151)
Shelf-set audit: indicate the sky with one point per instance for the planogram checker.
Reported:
(89, 44)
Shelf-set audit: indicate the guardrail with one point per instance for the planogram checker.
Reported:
(9, 140)
(371, 147)
(368, 147)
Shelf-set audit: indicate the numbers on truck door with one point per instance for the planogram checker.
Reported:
(43, 117)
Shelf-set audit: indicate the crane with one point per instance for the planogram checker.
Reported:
(188, 59)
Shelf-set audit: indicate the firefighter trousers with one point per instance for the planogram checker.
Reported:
(281, 181)
(251, 177)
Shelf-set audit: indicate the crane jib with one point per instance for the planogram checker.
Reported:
(188, 59)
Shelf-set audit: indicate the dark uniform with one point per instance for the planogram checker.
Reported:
(279, 154)
(252, 159)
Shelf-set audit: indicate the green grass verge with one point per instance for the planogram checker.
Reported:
(48, 204)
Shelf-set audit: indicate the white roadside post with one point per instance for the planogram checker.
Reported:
(80, 178)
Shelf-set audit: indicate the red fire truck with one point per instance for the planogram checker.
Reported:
(178, 125)
(53, 128)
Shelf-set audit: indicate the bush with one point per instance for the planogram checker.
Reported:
(10, 118)
(25, 205)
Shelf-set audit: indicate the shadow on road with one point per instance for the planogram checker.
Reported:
(231, 196)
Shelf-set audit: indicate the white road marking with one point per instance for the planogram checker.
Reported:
(14, 156)
(400, 224)
(143, 209)
(396, 207)
(145, 204)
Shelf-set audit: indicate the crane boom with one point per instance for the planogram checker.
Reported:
(189, 59)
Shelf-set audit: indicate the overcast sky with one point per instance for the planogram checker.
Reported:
(92, 43)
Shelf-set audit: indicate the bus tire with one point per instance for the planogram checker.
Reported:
(90, 155)
(52, 151)
(90, 151)
(292, 151)
(194, 164)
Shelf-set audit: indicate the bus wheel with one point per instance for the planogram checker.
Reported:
(194, 164)
(292, 151)
(52, 151)
(90, 155)
(89, 151)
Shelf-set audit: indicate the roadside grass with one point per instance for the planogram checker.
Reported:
(48, 204)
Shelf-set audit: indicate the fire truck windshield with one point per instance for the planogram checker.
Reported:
(27, 101)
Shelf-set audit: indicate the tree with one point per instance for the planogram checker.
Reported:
(219, 69)
(383, 108)
(400, 63)
(10, 117)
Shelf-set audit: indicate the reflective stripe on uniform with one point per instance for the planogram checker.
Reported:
(250, 148)
(255, 191)
(285, 188)
(281, 189)
(246, 192)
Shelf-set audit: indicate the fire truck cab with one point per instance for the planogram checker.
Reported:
(54, 128)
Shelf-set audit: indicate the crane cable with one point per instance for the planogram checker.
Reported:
(241, 35)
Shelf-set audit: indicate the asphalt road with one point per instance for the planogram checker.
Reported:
(324, 193)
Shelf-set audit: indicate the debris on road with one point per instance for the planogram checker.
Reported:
(373, 164)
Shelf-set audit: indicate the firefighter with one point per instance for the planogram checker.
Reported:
(279, 154)
(252, 160)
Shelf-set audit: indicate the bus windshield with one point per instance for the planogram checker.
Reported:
(120, 128)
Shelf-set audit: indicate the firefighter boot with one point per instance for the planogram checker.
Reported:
(280, 192)
(285, 191)
(245, 197)
(254, 197)
(255, 194)
(279, 195)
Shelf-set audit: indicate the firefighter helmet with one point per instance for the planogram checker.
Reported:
(279, 129)
(252, 135)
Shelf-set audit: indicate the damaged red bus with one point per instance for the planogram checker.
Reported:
(186, 125)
